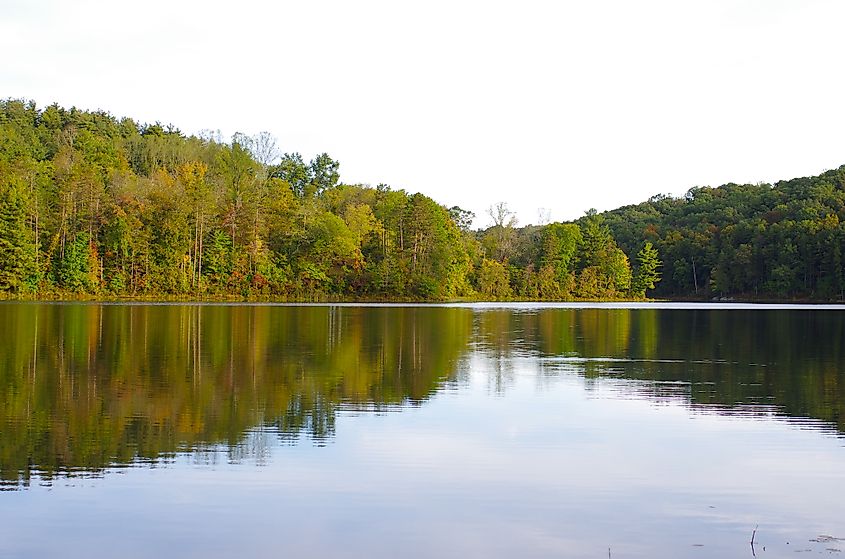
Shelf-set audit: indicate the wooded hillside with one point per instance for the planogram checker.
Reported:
(762, 241)
(91, 204)
(95, 205)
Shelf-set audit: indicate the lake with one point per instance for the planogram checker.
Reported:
(663, 430)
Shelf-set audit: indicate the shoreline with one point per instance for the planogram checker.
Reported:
(350, 301)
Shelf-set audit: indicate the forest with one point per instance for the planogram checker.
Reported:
(100, 207)
(754, 241)
(92, 205)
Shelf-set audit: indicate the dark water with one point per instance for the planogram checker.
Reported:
(476, 431)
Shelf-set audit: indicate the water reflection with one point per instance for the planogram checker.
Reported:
(729, 361)
(88, 387)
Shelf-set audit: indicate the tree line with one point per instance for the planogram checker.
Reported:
(765, 241)
(93, 205)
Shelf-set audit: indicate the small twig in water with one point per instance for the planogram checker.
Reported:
(753, 533)
(608, 552)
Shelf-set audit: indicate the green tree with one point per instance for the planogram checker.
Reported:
(327, 255)
(605, 270)
(436, 258)
(217, 260)
(74, 268)
(17, 245)
(493, 281)
(559, 244)
(238, 172)
(293, 170)
(647, 274)
(324, 174)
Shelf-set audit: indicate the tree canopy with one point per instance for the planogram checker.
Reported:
(93, 205)
(761, 241)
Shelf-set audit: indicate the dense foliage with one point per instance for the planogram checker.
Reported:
(757, 241)
(99, 206)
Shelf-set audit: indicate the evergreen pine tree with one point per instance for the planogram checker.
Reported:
(17, 246)
(647, 274)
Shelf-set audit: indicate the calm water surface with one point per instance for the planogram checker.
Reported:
(384, 431)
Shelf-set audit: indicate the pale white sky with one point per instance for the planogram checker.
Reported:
(541, 104)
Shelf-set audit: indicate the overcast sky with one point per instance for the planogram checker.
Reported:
(558, 105)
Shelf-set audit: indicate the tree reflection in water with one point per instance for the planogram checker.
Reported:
(85, 387)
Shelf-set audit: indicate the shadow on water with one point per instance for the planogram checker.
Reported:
(84, 388)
